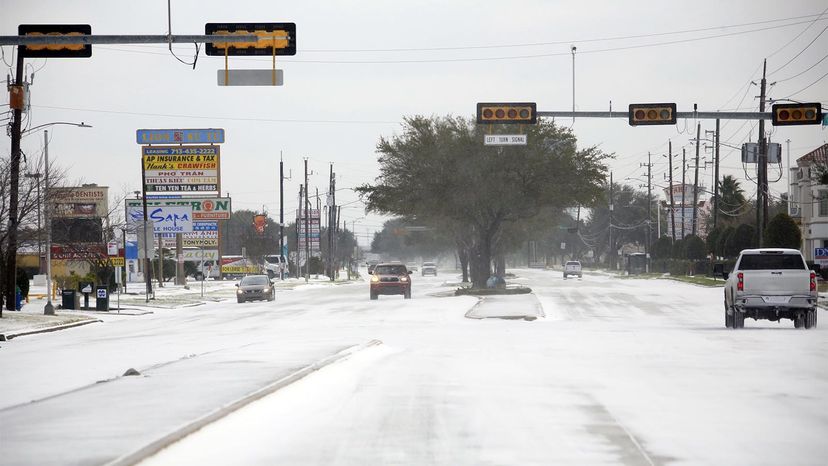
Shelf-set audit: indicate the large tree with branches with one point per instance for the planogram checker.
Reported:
(438, 170)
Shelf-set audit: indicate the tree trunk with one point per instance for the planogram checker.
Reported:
(500, 265)
(463, 256)
(480, 262)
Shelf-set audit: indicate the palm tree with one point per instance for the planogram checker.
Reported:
(732, 202)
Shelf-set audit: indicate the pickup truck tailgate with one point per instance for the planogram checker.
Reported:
(777, 282)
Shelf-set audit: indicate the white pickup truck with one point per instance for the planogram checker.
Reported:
(770, 284)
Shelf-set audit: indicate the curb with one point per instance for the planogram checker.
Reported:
(9, 336)
(470, 312)
(154, 447)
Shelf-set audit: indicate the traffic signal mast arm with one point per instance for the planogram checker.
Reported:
(696, 115)
(114, 39)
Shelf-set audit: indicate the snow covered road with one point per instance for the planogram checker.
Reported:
(620, 371)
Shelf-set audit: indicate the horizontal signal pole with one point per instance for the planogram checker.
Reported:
(133, 39)
(695, 115)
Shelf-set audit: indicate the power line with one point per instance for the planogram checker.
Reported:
(809, 85)
(804, 71)
(513, 57)
(798, 35)
(800, 52)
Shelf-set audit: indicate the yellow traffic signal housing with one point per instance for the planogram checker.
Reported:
(55, 50)
(274, 39)
(524, 113)
(796, 114)
(652, 114)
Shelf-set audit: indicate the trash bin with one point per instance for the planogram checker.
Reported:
(70, 299)
(102, 298)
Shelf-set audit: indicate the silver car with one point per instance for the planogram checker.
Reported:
(254, 287)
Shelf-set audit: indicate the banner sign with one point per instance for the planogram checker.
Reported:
(821, 256)
(204, 208)
(180, 169)
(196, 255)
(171, 219)
(180, 136)
(79, 202)
(79, 252)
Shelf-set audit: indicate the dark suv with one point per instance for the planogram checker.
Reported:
(390, 279)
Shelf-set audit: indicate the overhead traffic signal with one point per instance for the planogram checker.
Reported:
(274, 39)
(797, 114)
(55, 50)
(652, 114)
(503, 113)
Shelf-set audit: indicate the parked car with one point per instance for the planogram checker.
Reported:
(390, 279)
(429, 268)
(572, 268)
(275, 265)
(772, 284)
(255, 287)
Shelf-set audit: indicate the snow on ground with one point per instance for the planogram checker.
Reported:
(619, 371)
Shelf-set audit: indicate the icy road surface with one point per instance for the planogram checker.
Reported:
(620, 371)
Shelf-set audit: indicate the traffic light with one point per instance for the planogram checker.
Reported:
(282, 36)
(652, 114)
(525, 113)
(55, 50)
(797, 114)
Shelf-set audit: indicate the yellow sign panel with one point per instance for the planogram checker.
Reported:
(117, 261)
(238, 269)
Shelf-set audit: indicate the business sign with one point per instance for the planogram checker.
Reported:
(504, 140)
(180, 168)
(313, 230)
(196, 255)
(238, 266)
(171, 219)
(79, 252)
(79, 202)
(117, 261)
(821, 256)
(682, 194)
(204, 208)
(180, 136)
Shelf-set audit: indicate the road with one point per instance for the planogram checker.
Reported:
(619, 371)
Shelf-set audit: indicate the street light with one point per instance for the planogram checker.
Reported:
(49, 309)
(353, 232)
(37, 176)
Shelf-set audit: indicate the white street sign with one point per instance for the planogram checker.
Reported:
(505, 140)
(251, 78)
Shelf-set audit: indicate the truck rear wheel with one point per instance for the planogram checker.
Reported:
(799, 320)
(728, 317)
(810, 319)
(738, 319)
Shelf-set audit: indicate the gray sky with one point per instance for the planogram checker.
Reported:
(355, 76)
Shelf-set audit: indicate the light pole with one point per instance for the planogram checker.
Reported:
(49, 309)
(36, 176)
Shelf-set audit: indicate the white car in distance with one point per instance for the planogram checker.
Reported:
(572, 268)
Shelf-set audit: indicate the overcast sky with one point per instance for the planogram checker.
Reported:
(363, 65)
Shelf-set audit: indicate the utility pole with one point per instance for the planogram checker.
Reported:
(647, 245)
(282, 216)
(307, 225)
(14, 177)
(683, 190)
(762, 182)
(49, 309)
(672, 199)
(299, 210)
(696, 181)
(790, 185)
(331, 217)
(716, 179)
(611, 248)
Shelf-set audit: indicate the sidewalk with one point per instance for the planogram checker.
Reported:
(32, 320)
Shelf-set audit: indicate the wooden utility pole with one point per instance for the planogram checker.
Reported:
(683, 190)
(14, 177)
(762, 182)
(611, 248)
(696, 182)
(716, 180)
(672, 198)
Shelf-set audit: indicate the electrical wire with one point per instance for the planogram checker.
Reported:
(808, 86)
(800, 52)
(803, 71)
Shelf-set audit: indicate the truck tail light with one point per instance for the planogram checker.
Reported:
(813, 281)
(740, 286)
